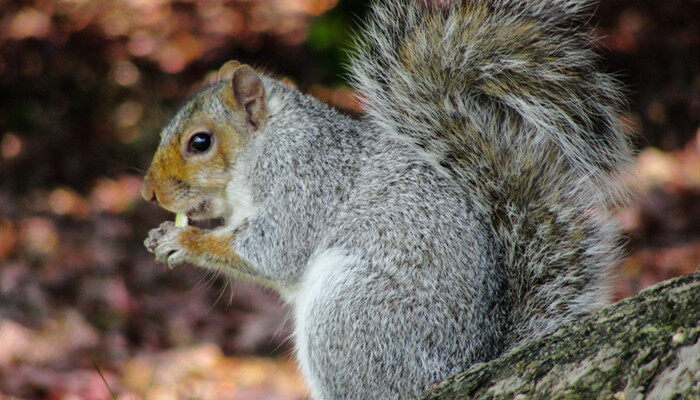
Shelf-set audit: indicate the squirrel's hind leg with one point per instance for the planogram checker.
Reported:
(362, 335)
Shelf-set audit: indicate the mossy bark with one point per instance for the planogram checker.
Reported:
(644, 347)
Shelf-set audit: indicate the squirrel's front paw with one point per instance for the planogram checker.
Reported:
(164, 242)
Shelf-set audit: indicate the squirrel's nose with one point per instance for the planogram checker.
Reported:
(147, 191)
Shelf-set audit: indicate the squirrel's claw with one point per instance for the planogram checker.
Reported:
(163, 242)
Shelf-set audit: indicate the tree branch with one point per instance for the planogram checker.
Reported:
(644, 347)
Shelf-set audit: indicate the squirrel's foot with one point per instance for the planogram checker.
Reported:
(165, 243)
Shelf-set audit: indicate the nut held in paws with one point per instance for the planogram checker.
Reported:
(180, 220)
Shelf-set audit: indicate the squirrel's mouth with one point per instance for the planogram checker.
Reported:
(201, 211)
(203, 216)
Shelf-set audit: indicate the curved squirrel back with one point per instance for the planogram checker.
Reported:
(505, 96)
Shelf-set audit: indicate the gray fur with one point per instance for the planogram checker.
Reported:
(460, 218)
(420, 301)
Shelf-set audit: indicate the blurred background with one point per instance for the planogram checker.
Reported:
(85, 87)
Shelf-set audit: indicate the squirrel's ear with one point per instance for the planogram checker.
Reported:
(249, 94)
(226, 71)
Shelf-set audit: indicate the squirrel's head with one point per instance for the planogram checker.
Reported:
(192, 166)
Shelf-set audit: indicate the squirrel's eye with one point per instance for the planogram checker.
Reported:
(200, 142)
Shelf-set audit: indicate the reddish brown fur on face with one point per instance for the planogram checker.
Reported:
(180, 181)
(166, 168)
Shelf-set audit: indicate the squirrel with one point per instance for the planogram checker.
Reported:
(467, 212)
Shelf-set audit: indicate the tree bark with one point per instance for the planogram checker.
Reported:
(644, 347)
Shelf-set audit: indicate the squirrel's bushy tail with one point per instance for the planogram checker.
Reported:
(506, 96)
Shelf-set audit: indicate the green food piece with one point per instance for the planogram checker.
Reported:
(180, 220)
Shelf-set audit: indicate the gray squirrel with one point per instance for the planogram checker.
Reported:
(466, 213)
